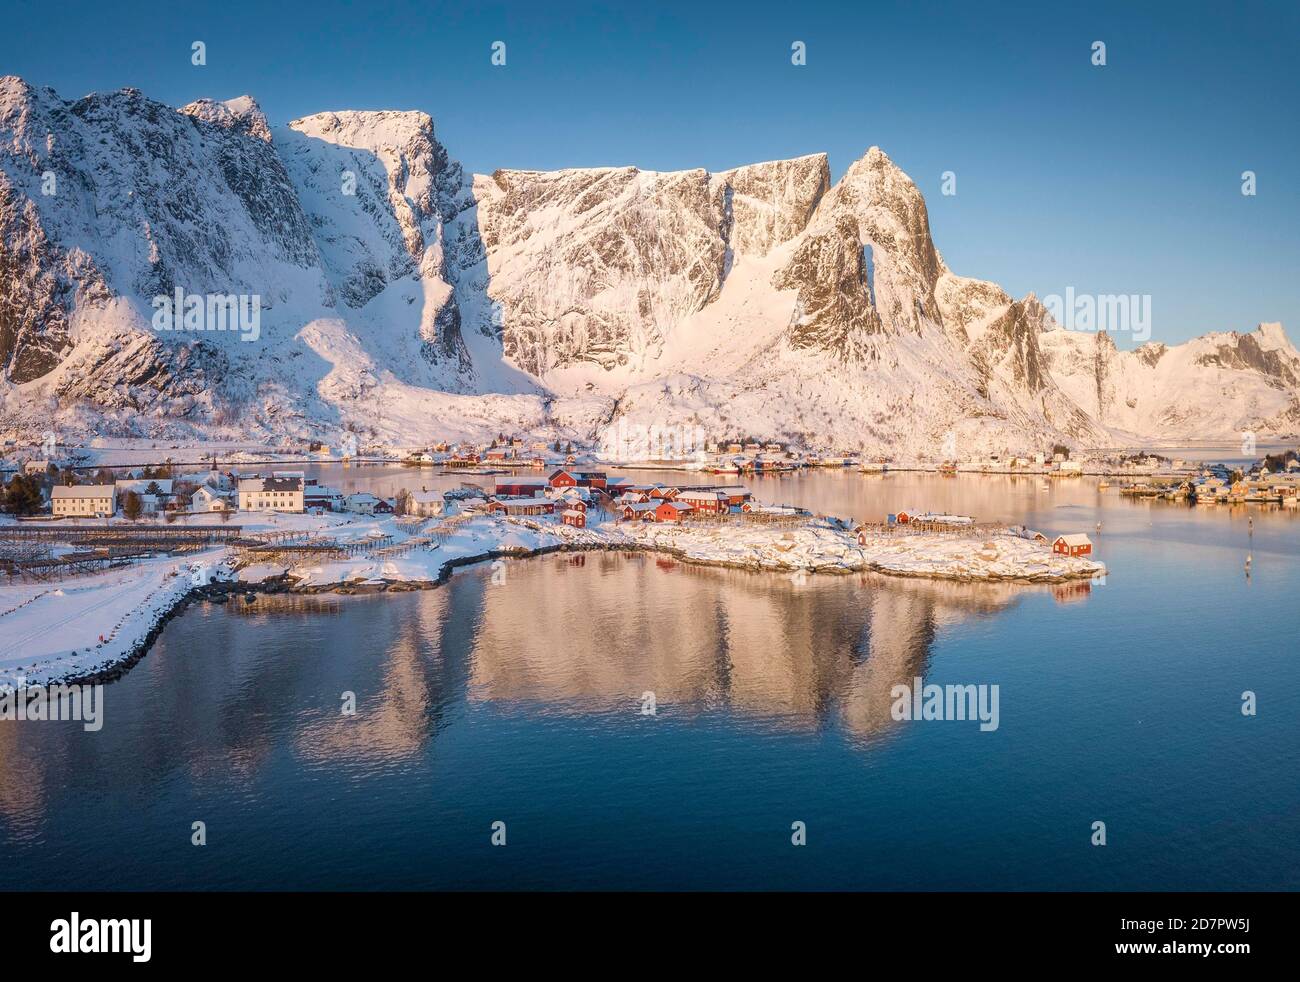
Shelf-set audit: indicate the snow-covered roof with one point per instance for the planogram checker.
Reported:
(83, 491)
(426, 497)
(1074, 539)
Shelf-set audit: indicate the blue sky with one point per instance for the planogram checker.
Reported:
(1117, 179)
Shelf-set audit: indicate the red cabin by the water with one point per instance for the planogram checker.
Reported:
(562, 479)
(1076, 544)
(572, 479)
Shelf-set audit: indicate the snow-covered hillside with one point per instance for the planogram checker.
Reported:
(397, 296)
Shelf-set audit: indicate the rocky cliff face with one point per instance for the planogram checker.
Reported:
(400, 297)
(833, 306)
(599, 266)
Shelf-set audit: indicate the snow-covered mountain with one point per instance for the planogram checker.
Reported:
(398, 296)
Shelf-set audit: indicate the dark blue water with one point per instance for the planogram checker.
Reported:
(521, 702)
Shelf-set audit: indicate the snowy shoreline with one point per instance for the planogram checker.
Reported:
(95, 628)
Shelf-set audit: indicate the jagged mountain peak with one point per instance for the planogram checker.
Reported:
(368, 128)
(1271, 335)
(241, 114)
(13, 88)
(894, 225)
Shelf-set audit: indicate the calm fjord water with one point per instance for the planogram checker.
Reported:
(521, 702)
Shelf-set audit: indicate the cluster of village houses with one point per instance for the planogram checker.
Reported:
(1259, 484)
(570, 493)
(722, 457)
(566, 492)
(282, 491)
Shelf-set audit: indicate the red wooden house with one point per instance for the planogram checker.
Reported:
(671, 511)
(1076, 544)
(705, 502)
(574, 516)
(520, 486)
(562, 479)
(566, 478)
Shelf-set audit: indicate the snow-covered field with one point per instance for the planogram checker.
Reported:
(80, 626)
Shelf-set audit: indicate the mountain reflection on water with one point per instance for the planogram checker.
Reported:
(586, 633)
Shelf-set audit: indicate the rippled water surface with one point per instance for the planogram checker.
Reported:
(521, 701)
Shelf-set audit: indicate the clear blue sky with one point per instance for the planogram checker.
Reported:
(1121, 179)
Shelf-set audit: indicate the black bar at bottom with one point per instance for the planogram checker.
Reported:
(217, 930)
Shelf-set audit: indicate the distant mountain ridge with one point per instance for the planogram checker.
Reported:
(405, 299)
